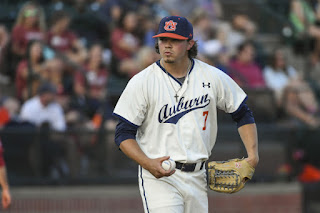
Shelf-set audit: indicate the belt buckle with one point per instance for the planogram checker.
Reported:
(182, 167)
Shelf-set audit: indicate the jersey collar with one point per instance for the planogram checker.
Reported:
(162, 68)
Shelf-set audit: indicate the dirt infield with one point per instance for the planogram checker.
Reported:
(126, 199)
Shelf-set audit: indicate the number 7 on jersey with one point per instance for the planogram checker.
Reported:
(205, 113)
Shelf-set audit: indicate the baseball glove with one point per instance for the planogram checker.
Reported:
(229, 176)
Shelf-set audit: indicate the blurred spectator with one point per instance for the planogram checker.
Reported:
(306, 27)
(107, 10)
(63, 40)
(4, 116)
(4, 41)
(43, 111)
(279, 75)
(180, 7)
(149, 31)
(292, 93)
(88, 24)
(43, 108)
(243, 68)
(158, 10)
(205, 34)
(30, 71)
(145, 57)
(223, 61)
(301, 104)
(124, 46)
(9, 110)
(81, 108)
(96, 75)
(30, 25)
(124, 42)
(242, 29)
(313, 73)
(134, 5)
(213, 8)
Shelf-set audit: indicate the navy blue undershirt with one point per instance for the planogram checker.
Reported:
(125, 130)
(243, 115)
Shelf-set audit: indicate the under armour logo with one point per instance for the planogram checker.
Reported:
(206, 85)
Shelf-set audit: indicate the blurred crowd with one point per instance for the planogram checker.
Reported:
(64, 63)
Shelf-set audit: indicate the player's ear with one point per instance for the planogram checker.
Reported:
(190, 44)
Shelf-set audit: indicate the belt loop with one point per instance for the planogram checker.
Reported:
(202, 164)
(197, 167)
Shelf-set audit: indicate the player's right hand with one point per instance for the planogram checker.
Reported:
(155, 168)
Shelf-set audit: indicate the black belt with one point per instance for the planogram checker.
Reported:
(188, 167)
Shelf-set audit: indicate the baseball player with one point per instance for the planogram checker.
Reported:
(168, 110)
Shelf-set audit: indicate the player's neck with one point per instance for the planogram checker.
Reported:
(177, 69)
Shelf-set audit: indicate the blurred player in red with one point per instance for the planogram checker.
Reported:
(6, 197)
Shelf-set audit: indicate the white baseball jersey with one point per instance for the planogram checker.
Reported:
(184, 129)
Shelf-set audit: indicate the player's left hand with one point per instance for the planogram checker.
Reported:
(229, 176)
(6, 199)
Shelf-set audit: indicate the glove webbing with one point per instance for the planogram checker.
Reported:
(234, 181)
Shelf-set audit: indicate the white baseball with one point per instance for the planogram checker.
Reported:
(169, 165)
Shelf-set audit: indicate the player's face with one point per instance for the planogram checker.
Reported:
(47, 98)
(247, 54)
(173, 50)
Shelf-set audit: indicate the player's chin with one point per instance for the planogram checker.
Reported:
(169, 60)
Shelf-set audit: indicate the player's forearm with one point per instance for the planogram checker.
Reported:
(3, 178)
(131, 148)
(249, 137)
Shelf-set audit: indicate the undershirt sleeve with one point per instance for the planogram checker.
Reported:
(124, 131)
(243, 115)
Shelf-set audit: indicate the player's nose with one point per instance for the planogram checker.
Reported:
(168, 43)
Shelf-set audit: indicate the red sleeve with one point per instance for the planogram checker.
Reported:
(116, 36)
(20, 82)
(80, 78)
(72, 36)
(2, 163)
(48, 38)
(18, 36)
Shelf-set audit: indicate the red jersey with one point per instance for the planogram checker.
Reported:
(62, 42)
(249, 75)
(22, 36)
(20, 82)
(2, 163)
(117, 36)
(96, 80)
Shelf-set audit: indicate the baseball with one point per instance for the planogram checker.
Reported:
(169, 165)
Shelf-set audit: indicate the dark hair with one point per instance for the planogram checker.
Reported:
(29, 46)
(96, 43)
(123, 16)
(47, 87)
(58, 16)
(245, 44)
(31, 74)
(192, 53)
(274, 59)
